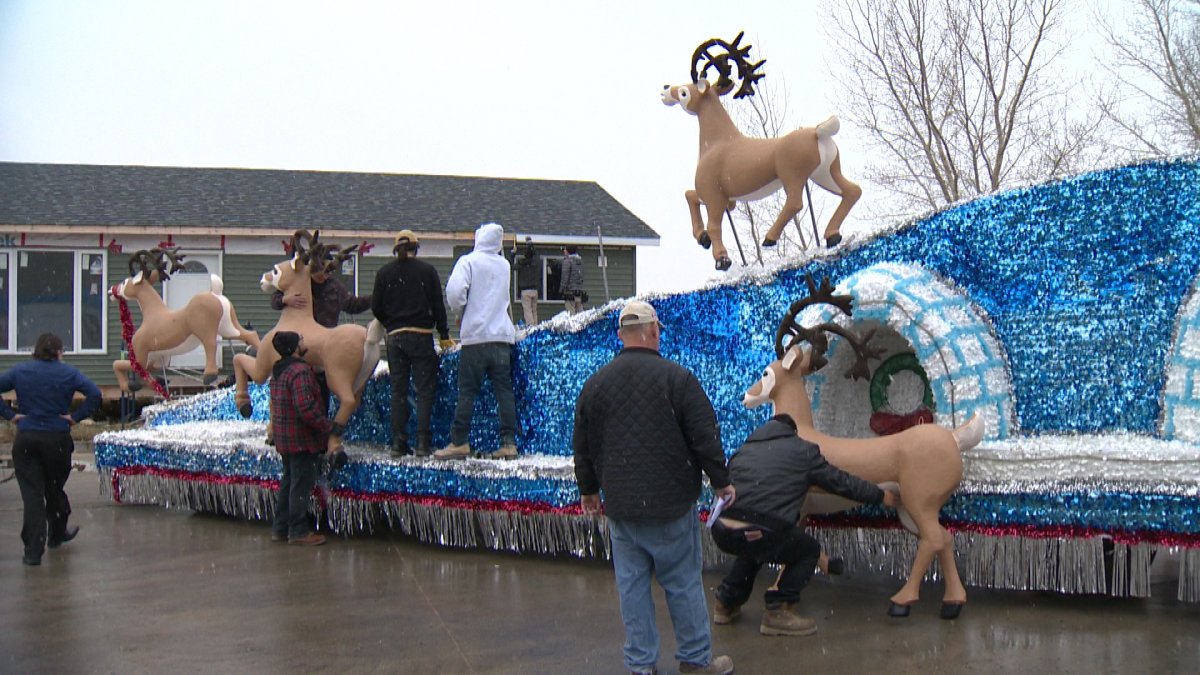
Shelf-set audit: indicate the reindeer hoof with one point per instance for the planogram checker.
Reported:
(833, 241)
(246, 409)
(209, 379)
(898, 611)
(723, 263)
(704, 240)
(951, 610)
(769, 242)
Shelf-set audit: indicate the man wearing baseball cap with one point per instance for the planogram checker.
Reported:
(644, 432)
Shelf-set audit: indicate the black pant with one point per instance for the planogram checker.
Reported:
(411, 355)
(792, 548)
(42, 460)
(295, 488)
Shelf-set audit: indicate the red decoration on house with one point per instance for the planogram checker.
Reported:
(113, 246)
(287, 246)
(365, 248)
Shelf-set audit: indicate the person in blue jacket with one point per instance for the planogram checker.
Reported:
(42, 448)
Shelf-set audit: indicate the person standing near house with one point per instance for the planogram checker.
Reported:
(479, 292)
(529, 280)
(644, 431)
(301, 433)
(42, 448)
(407, 300)
(570, 284)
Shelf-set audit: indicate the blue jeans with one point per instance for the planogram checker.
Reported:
(412, 354)
(295, 488)
(493, 359)
(669, 550)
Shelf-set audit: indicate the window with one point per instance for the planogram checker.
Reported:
(60, 292)
(552, 273)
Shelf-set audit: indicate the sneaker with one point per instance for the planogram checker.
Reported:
(68, 535)
(506, 451)
(720, 665)
(453, 451)
(783, 621)
(723, 615)
(310, 539)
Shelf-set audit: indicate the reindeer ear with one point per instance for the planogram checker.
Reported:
(137, 278)
(789, 359)
(702, 86)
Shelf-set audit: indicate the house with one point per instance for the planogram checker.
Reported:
(67, 232)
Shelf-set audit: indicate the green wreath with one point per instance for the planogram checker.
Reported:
(882, 379)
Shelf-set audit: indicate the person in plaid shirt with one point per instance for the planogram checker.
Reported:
(301, 430)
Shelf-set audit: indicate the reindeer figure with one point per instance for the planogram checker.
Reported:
(165, 332)
(925, 460)
(348, 353)
(732, 166)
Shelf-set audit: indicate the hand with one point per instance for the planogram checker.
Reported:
(590, 503)
(297, 301)
(70, 420)
(17, 418)
(728, 493)
(446, 343)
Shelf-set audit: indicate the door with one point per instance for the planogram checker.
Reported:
(178, 291)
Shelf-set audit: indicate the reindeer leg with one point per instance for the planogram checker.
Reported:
(244, 367)
(851, 192)
(210, 359)
(932, 542)
(956, 594)
(716, 214)
(791, 206)
(698, 232)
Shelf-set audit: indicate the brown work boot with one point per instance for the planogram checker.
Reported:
(783, 621)
(453, 451)
(720, 665)
(723, 615)
(310, 539)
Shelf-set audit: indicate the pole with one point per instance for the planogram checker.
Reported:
(603, 263)
(737, 240)
(813, 215)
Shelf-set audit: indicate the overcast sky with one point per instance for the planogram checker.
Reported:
(513, 88)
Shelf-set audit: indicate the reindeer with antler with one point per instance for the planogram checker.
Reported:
(165, 332)
(734, 167)
(924, 460)
(348, 353)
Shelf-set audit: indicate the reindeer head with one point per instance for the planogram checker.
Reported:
(724, 57)
(782, 380)
(146, 268)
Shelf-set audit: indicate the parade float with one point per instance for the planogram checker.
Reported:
(1059, 322)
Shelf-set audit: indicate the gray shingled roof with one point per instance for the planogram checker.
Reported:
(76, 194)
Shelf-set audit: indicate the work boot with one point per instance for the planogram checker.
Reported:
(400, 449)
(783, 621)
(720, 665)
(723, 615)
(310, 539)
(454, 451)
(423, 447)
(506, 451)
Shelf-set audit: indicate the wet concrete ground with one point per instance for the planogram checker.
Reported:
(146, 589)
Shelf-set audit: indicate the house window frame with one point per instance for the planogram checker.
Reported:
(11, 274)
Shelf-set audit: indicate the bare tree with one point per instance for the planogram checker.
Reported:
(957, 95)
(1154, 63)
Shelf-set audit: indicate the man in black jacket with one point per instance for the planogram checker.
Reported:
(529, 279)
(644, 430)
(773, 471)
(407, 300)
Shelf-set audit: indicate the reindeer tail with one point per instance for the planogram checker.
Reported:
(216, 285)
(970, 434)
(376, 333)
(829, 127)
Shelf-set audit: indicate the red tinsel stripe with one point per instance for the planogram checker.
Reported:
(127, 335)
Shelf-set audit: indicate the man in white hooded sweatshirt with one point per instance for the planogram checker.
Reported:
(479, 291)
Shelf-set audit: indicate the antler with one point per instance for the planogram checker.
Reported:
(171, 256)
(304, 243)
(332, 256)
(747, 72)
(144, 260)
(816, 335)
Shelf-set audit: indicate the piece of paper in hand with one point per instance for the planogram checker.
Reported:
(715, 513)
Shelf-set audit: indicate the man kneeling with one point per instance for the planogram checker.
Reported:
(772, 473)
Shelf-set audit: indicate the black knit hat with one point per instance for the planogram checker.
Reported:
(286, 342)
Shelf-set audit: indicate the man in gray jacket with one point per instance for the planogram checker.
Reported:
(644, 430)
(773, 471)
(479, 289)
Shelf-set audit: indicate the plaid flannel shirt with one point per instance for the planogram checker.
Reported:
(298, 419)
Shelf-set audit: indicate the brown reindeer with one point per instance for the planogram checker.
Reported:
(165, 332)
(348, 353)
(924, 460)
(732, 166)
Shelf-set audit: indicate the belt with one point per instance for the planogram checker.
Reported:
(411, 329)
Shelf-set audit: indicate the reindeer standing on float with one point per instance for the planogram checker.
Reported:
(924, 460)
(348, 353)
(732, 166)
(166, 332)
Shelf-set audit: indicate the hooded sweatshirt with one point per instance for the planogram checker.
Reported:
(479, 290)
